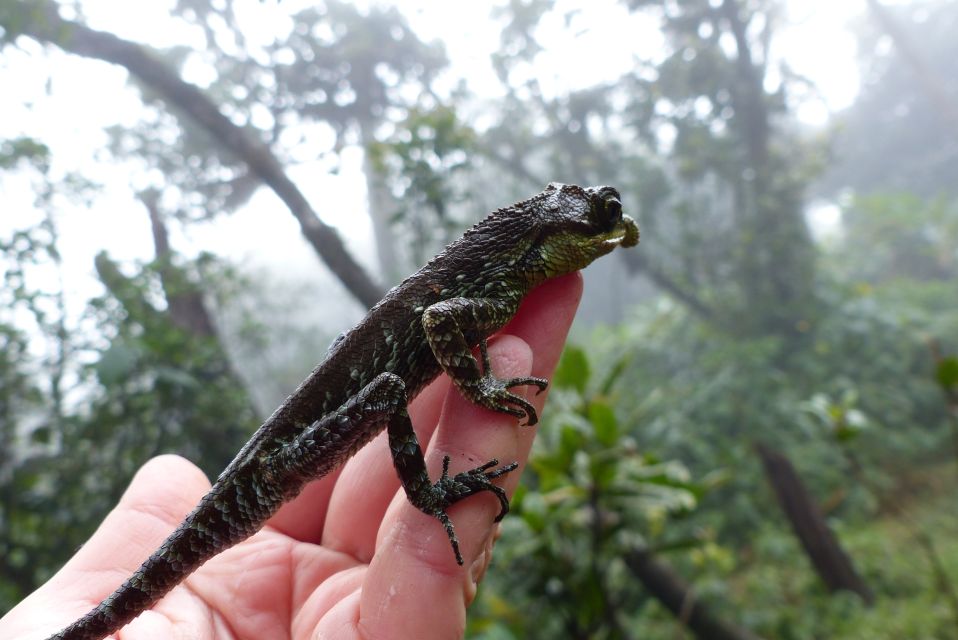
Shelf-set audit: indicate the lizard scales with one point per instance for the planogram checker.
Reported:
(425, 326)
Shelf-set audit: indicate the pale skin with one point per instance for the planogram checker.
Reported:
(348, 558)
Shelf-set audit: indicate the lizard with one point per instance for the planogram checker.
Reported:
(427, 325)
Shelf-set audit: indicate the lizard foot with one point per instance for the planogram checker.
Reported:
(493, 393)
(450, 490)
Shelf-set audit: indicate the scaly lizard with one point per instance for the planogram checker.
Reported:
(425, 326)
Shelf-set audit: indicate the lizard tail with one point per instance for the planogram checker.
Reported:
(133, 597)
(233, 510)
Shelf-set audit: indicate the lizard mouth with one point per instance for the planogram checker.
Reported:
(612, 239)
(625, 233)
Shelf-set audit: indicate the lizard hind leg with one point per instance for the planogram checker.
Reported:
(327, 443)
(435, 498)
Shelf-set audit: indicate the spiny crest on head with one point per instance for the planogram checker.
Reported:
(531, 206)
(513, 216)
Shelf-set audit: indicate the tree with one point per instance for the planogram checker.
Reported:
(913, 107)
(158, 382)
(701, 151)
(80, 412)
(337, 81)
(700, 138)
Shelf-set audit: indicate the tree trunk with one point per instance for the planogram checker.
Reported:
(186, 307)
(382, 208)
(830, 561)
(678, 597)
(777, 263)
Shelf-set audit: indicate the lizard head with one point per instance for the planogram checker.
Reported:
(577, 225)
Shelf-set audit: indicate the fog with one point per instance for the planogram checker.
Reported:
(758, 406)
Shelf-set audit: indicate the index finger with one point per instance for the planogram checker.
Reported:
(414, 570)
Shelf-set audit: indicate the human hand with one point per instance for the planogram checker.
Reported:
(349, 557)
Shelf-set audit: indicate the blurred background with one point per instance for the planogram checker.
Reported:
(754, 430)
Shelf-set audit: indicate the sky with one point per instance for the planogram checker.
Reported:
(68, 102)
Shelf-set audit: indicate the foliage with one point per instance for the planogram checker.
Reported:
(692, 137)
(329, 80)
(149, 387)
(20, 401)
(840, 355)
(689, 394)
(23, 150)
(589, 497)
(161, 388)
(892, 237)
(424, 160)
(709, 396)
(782, 600)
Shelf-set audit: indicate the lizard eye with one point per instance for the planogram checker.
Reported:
(606, 212)
(613, 209)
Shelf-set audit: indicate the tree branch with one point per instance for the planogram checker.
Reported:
(665, 282)
(513, 165)
(185, 303)
(754, 115)
(677, 596)
(40, 20)
(829, 559)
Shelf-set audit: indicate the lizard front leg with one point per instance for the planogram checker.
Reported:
(382, 403)
(447, 324)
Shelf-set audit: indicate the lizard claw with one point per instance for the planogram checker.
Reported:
(448, 491)
(494, 394)
(541, 383)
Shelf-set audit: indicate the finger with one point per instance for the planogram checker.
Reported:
(303, 518)
(344, 511)
(543, 321)
(414, 569)
(161, 494)
(369, 481)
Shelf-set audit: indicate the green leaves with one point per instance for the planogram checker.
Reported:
(79, 414)
(24, 149)
(117, 363)
(840, 417)
(946, 373)
(573, 370)
(425, 158)
(603, 421)
(588, 498)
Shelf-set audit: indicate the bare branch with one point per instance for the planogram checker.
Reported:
(41, 21)
(665, 282)
(677, 596)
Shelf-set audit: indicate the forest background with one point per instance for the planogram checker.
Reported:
(754, 432)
